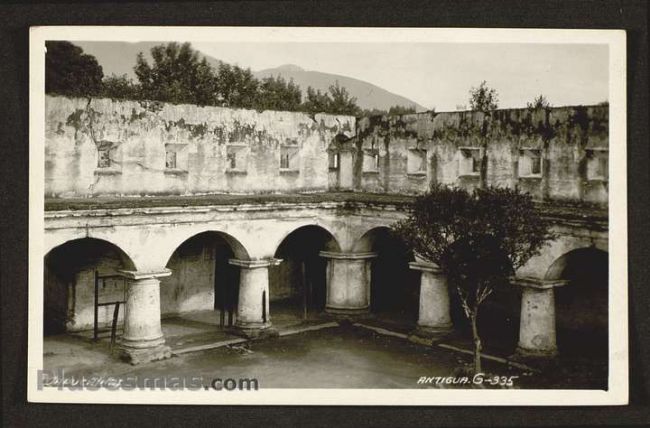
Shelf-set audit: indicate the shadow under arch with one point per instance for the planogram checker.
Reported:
(69, 283)
(394, 287)
(297, 286)
(581, 306)
(202, 278)
(331, 243)
(500, 313)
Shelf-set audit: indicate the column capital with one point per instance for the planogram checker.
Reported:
(347, 256)
(537, 283)
(137, 275)
(254, 264)
(425, 266)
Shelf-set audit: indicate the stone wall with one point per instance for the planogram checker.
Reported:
(558, 153)
(102, 147)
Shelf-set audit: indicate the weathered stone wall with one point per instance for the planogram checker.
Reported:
(103, 147)
(411, 152)
(191, 287)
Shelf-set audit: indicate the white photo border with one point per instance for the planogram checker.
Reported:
(618, 390)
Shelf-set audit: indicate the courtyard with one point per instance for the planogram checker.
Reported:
(312, 353)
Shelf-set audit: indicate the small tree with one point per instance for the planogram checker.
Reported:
(483, 98)
(539, 102)
(336, 101)
(478, 239)
(316, 101)
(69, 71)
(341, 102)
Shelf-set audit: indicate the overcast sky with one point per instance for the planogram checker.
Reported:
(440, 74)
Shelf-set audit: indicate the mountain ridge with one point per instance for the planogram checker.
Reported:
(119, 58)
(368, 95)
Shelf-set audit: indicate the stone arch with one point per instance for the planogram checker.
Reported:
(239, 250)
(202, 277)
(70, 271)
(369, 238)
(558, 269)
(129, 263)
(566, 242)
(55, 240)
(581, 305)
(297, 286)
(284, 234)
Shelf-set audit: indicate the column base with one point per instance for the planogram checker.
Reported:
(256, 331)
(347, 313)
(524, 353)
(136, 356)
(429, 335)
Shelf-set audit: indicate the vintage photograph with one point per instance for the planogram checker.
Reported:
(327, 216)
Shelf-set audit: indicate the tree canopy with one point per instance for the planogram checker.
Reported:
(69, 71)
(275, 93)
(540, 102)
(177, 75)
(478, 239)
(336, 101)
(483, 98)
(341, 101)
(120, 87)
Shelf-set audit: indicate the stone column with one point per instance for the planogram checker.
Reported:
(253, 317)
(143, 340)
(348, 282)
(434, 320)
(537, 337)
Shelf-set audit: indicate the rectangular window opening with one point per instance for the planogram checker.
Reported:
(232, 160)
(536, 165)
(288, 158)
(597, 164)
(470, 161)
(284, 161)
(476, 165)
(104, 158)
(603, 166)
(335, 159)
(530, 163)
(170, 160)
(416, 162)
(370, 161)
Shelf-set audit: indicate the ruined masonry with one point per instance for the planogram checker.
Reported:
(174, 209)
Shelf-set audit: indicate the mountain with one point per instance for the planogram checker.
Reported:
(368, 96)
(119, 58)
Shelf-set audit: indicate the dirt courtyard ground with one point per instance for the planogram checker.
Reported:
(343, 356)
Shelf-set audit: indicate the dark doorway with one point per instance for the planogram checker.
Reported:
(394, 287)
(582, 304)
(298, 284)
(226, 285)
